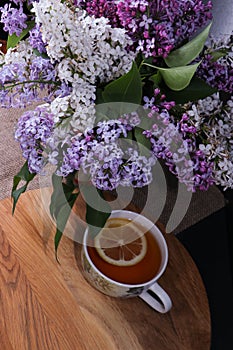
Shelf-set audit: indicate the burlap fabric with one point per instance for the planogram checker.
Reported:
(10, 155)
(202, 203)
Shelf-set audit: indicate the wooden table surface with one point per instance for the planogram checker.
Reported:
(3, 46)
(49, 306)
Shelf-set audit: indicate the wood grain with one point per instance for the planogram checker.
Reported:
(3, 45)
(46, 305)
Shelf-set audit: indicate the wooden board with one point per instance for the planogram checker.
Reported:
(46, 305)
(3, 45)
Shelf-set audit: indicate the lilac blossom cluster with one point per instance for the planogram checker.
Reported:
(23, 77)
(33, 130)
(218, 73)
(101, 8)
(77, 48)
(102, 154)
(14, 19)
(214, 123)
(35, 39)
(69, 36)
(196, 142)
(14, 16)
(155, 27)
(171, 141)
(70, 65)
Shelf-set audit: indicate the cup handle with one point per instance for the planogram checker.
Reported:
(157, 298)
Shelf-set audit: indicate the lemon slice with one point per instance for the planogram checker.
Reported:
(121, 243)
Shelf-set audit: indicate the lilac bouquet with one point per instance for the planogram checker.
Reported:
(119, 85)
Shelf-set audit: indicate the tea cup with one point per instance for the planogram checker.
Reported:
(149, 291)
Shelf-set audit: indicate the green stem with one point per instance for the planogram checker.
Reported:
(140, 66)
(28, 82)
(149, 65)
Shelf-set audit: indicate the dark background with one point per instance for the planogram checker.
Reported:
(210, 242)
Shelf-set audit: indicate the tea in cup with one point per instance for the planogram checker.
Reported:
(127, 258)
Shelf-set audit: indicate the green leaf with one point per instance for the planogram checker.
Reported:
(38, 53)
(62, 201)
(97, 209)
(127, 88)
(156, 78)
(62, 216)
(96, 220)
(218, 54)
(197, 89)
(113, 110)
(99, 96)
(57, 192)
(142, 141)
(23, 175)
(61, 193)
(13, 39)
(188, 52)
(178, 78)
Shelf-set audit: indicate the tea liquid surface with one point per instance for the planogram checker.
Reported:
(141, 272)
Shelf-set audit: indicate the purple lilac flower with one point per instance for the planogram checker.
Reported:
(82, 145)
(110, 131)
(23, 82)
(185, 127)
(79, 148)
(35, 161)
(216, 74)
(203, 171)
(35, 39)
(101, 8)
(103, 163)
(11, 73)
(174, 139)
(100, 153)
(42, 69)
(14, 20)
(4, 98)
(33, 130)
(62, 90)
(156, 27)
(137, 172)
(19, 2)
(104, 166)
(31, 1)
(131, 119)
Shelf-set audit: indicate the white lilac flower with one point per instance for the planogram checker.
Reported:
(220, 136)
(214, 121)
(86, 50)
(210, 104)
(83, 92)
(83, 118)
(77, 108)
(59, 107)
(23, 53)
(95, 49)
